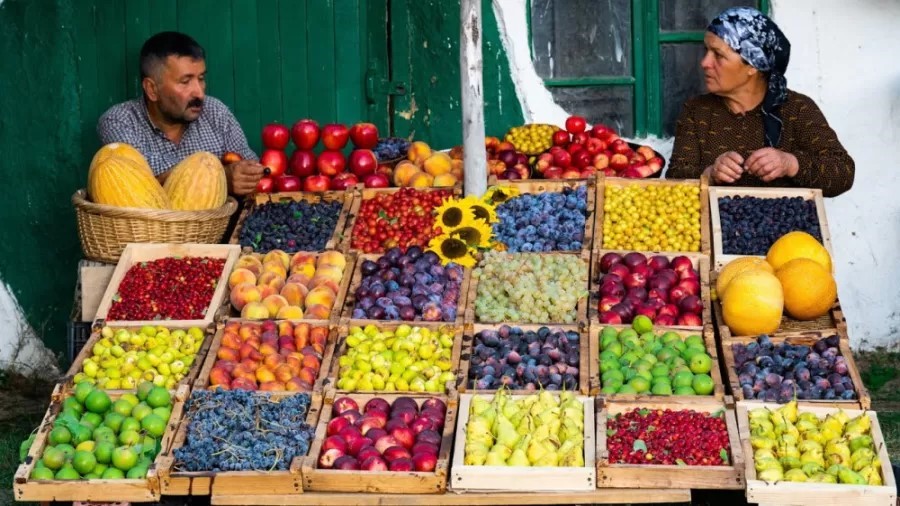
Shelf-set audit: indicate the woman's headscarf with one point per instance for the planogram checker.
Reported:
(761, 44)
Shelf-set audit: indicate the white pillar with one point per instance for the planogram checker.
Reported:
(471, 65)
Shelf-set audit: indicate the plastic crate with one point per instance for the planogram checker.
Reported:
(77, 334)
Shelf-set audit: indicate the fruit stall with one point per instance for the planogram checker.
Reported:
(583, 332)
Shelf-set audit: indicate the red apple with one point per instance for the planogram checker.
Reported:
(664, 320)
(331, 163)
(618, 162)
(288, 184)
(366, 452)
(423, 447)
(275, 136)
(358, 443)
(594, 146)
(364, 135)
(607, 302)
(374, 434)
(553, 172)
(571, 173)
(407, 414)
(376, 181)
(385, 442)
(344, 180)
(363, 162)
(544, 161)
(690, 320)
(681, 263)
(316, 184)
(610, 318)
(575, 124)
(305, 134)
(691, 304)
(581, 159)
(265, 185)
(275, 160)
(691, 286)
(574, 148)
(560, 138)
(620, 146)
(334, 136)
(588, 172)
(303, 163)
(600, 131)
(670, 310)
(580, 138)
(405, 435)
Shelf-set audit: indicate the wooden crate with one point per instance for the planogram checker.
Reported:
(603, 182)
(611, 475)
(202, 381)
(581, 308)
(465, 478)
(189, 378)
(379, 482)
(584, 371)
(350, 296)
(340, 348)
(698, 260)
(93, 278)
(97, 490)
(709, 340)
(816, 494)
(807, 338)
(720, 259)
(244, 484)
(137, 253)
(338, 238)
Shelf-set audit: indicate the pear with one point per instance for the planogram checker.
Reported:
(566, 396)
(822, 478)
(777, 418)
(503, 451)
(858, 426)
(771, 475)
(833, 423)
(576, 405)
(759, 413)
(541, 433)
(554, 425)
(495, 459)
(861, 463)
(573, 413)
(791, 430)
(811, 468)
(478, 430)
(851, 477)
(808, 444)
(535, 451)
(479, 405)
(829, 432)
(791, 463)
(499, 399)
(837, 452)
(571, 457)
(550, 459)
(518, 459)
(872, 474)
(475, 458)
(526, 426)
(476, 447)
(815, 435)
(789, 411)
(763, 453)
(527, 402)
(489, 415)
(548, 415)
(523, 443)
(760, 442)
(814, 457)
(841, 416)
(784, 450)
(763, 464)
(862, 453)
(547, 400)
(808, 417)
(506, 433)
(763, 425)
(789, 440)
(834, 469)
(858, 442)
(764, 432)
(795, 475)
(805, 426)
(510, 409)
(518, 416)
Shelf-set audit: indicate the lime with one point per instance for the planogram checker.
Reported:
(661, 389)
(136, 472)
(628, 358)
(642, 324)
(164, 412)
(84, 461)
(666, 354)
(103, 451)
(660, 370)
(124, 458)
(628, 373)
(129, 437)
(615, 384)
(86, 446)
(689, 352)
(609, 332)
(131, 398)
(615, 348)
(67, 473)
(60, 435)
(612, 375)
(642, 365)
(140, 411)
(684, 391)
(608, 365)
(143, 389)
(609, 390)
(639, 384)
(154, 425)
(647, 337)
(627, 389)
(700, 363)
(694, 341)
(158, 397)
(627, 334)
(82, 390)
(42, 473)
(104, 434)
(93, 475)
(53, 458)
(678, 345)
(92, 419)
(122, 407)
(670, 337)
(682, 379)
(113, 421)
(97, 402)
(112, 473)
(72, 404)
(67, 449)
(80, 434)
(130, 424)
(644, 374)
(99, 469)
(703, 384)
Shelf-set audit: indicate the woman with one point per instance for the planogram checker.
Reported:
(750, 130)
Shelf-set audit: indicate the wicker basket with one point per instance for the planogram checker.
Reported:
(105, 230)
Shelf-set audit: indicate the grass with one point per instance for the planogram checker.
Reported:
(22, 406)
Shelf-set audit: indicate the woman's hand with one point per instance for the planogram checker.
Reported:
(769, 164)
(727, 168)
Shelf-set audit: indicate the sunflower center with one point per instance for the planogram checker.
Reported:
(481, 213)
(452, 217)
(471, 235)
(453, 248)
(500, 196)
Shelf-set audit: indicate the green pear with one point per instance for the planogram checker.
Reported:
(789, 411)
(535, 451)
(822, 478)
(791, 463)
(763, 464)
(550, 459)
(478, 430)
(504, 451)
(763, 453)
(858, 442)
(805, 426)
(525, 426)
(808, 444)
(811, 468)
(506, 433)
(795, 475)
(771, 475)
(475, 458)
(760, 442)
(858, 426)
(808, 417)
(851, 477)
(518, 459)
(872, 474)
(495, 459)
(834, 469)
(862, 453)
(837, 452)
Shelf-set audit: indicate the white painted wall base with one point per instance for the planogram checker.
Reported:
(21, 350)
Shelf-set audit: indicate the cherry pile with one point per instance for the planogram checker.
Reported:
(400, 219)
(644, 436)
(167, 289)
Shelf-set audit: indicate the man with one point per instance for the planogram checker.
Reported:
(174, 118)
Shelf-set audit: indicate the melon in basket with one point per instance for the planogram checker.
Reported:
(197, 183)
(120, 176)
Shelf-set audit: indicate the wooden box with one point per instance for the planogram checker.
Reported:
(816, 494)
(584, 369)
(580, 311)
(699, 261)
(203, 380)
(337, 240)
(465, 478)
(611, 475)
(94, 278)
(709, 340)
(96, 490)
(349, 300)
(379, 482)
(340, 348)
(137, 253)
(604, 182)
(799, 338)
(720, 259)
(245, 484)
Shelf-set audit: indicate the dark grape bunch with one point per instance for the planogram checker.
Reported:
(391, 148)
(290, 226)
(750, 225)
(552, 221)
(525, 359)
(239, 430)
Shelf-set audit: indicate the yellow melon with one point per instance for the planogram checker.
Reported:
(737, 266)
(120, 150)
(798, 245)
(197, 182)
(809, 290)
(753, 303)
(122, 182)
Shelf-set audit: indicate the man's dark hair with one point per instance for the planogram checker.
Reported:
(165, 44)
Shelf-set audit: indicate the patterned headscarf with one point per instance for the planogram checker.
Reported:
(761, 44)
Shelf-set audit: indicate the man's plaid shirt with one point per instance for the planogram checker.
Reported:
(216, 131)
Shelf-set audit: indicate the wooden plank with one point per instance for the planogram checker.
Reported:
(248, 59)
(94, 279)
(350, 55)
(816, 494)
(268, 57)
(808, 338)
(137, 31)
(111, 74)
(293, 23)
(379, 482)
(86, 61)
(720, 259)
(163, 15)
(523, 479)
(135, 253)
(321, 61)
(611, 475)
(218, 40)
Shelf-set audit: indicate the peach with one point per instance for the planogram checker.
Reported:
(308, 270)
(326, 282)
(294, 363)
(265, 291)
(233, 326)
(268, 326)
(319, 348)
(318, 312)
(253, 341)
(250, 364)
(272, 279)
(290, 312)
(438, 163)
(295, 385)
(268, 349)
(308, 375)
(444, 180)
(239, 276)
(241, 371)
(301, 258)
(264, 374)
(301, 334)
(403, 172)
(312, 362)
(319, 335)
(273, 360)
(248, 351)
(333, 273)
(273, 303)
(285, 329)
(255, 311)
(271, 386)
(243, 294)
(231, 340)
(276, 267)
(283, 372)
(279, 255)
(421, 180)
(294, 293)
(300, 279)
(243, 384)
(287, 349)
(504, 145)
(418, 152)
(219, 376)
(323, 295)
(228, 354)
(251, 263)
(333, 258)
(249, 329)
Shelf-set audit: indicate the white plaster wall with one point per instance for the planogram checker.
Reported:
(844, 57)
(21, 350)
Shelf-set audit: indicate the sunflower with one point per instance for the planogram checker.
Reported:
(477, 234)
(452, 214)
(480, 210)
(452, 249)
(500, 194)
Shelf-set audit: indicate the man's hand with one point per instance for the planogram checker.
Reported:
(243, 176)
(727, 168)
(769, 164)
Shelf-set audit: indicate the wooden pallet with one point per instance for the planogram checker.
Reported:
(523, 479)
(816, 494)
(611, 475)
(584, 373)
(97, 490)
(203, 381)
(349, 299)
(604, 182)
(808, 338)
(709, 339)
(720, 259)
(379, 482)
(340, 348)
(245, 484)
(698, 260)
(136, 253)
(338, 239)
(581, 309)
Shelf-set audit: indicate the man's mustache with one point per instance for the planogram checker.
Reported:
(197, 102)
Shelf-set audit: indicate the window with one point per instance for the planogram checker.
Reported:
(630, 64)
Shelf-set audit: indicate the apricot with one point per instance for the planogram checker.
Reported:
(243, 294)
(242, 371)
(254, 311)
(290, 313)
(318, 312)
(421, 180)
(308, 375)
(285, 328)
(249, 329)
(251, 263)
(250, 365)
(312, 362)
(294, 363)
(438, 163)
(294, 293)
(444, 180)
(248, 351)
(283, 372)
(268, 349)
(457, 153)
(403, 172)
(418, 152)
(228, 354)
(219, 376)
(272, 361)
(239, 276)
(301, 334)
(331, 258)
(273, 303)
(264, 374)
(265, 291)
(277, 255)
